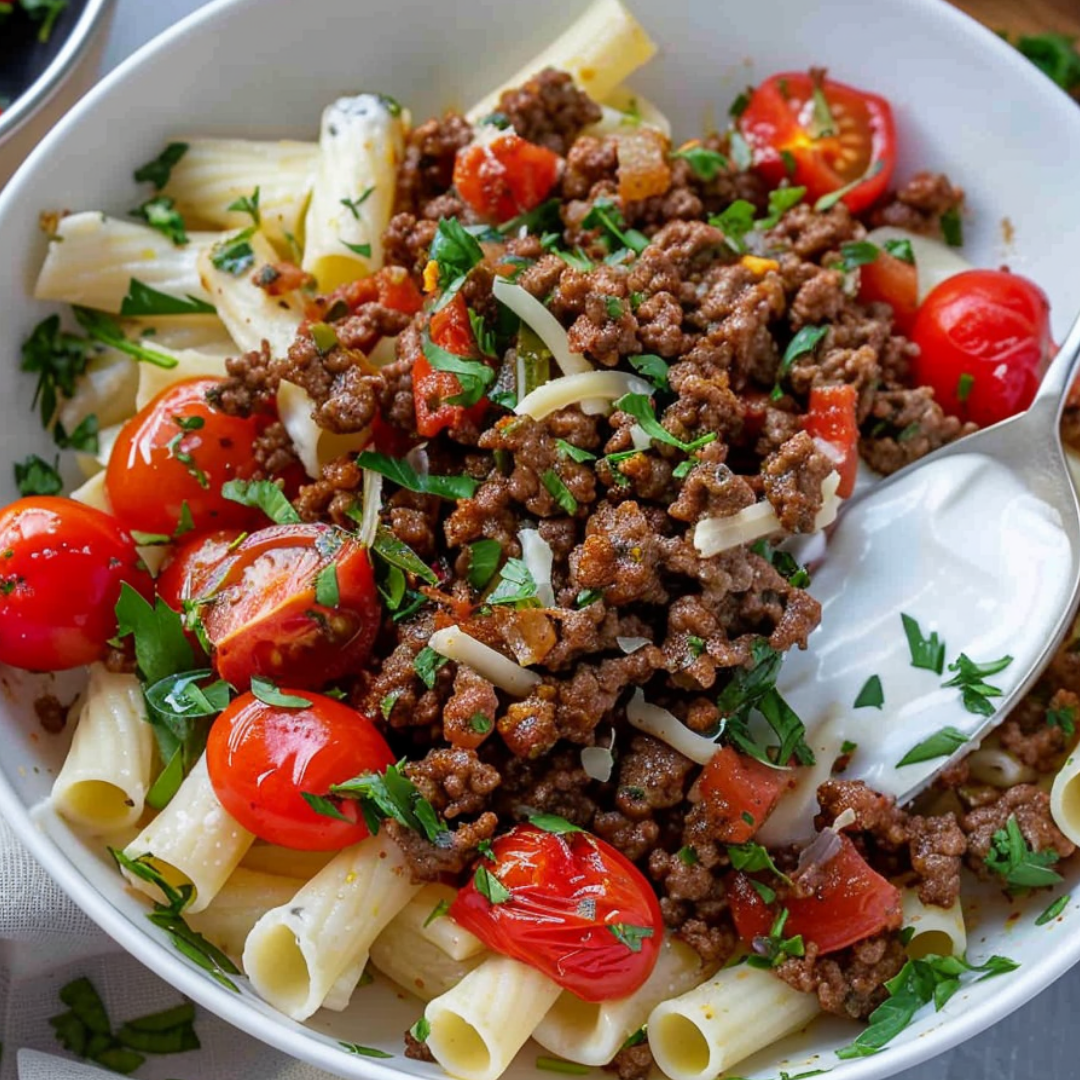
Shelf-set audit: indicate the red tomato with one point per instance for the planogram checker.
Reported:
(780, 123)
(392, 286)
(851, 902)
(506, 176)
(984, 339)
(179, 449)
(61, 568)
(575, 903)
(262, 616)
(451, 330)
(892, 281)
(831, 418)
(261, 757)
(190, 572)
(741, 792)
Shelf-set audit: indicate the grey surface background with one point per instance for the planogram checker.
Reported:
(1034, 1043)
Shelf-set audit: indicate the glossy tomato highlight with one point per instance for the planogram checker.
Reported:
(62, 565)
(261, 758)
(577, 910)
(293, 603)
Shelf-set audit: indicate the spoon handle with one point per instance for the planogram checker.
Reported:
(1060, 375)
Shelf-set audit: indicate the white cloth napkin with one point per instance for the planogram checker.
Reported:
(46, 942)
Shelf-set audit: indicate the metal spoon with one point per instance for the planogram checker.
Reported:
(857, 639)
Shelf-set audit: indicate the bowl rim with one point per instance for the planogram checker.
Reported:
(242, 1010)
(44, 87)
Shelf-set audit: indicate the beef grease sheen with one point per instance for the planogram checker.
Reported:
(964, 548)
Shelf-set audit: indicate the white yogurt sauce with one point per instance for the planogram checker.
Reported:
(965, 549)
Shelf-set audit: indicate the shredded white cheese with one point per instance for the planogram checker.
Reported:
(668, 728)
(631, 644)
(538, 557)
(713, 535)
(453, 643)
(598, 763)
(575, 389)
(546, 327)
(372, 504)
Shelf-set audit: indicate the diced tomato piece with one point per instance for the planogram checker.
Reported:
(277, 279)
(506, 176)
(832, 419)
(850, 902)
(451, 330)
(741, 793)
(892, 281)
(788, 134)
(391, 286)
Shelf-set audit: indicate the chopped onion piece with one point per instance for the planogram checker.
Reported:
(546, 327)
(934, 261)
(598, 763)
(453, 643)
(668, 728)
(824, 848)
(632, 644)
(372, 504)
(713, 535)
(575, 389)
(844, 819)
(385, 352)
(538, 557)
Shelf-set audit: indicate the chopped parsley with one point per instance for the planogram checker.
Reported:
(559, 491)
(1064, 718)
(161, 649)
(926, 652)
(404, 475)
(970, 679)
(605, 215)
(739, 105)
(363, 1051)
(773, 950)
(516, 586)
(614, 307)
(391, 794)
(802, 344)
(158, 171)
(952, 228)
(474, 376)
(652, 368)
(58, 359)
(631, 936)
(781, 200)
(484, 556)
(489, 886)
(785, 564)
(640, 408)
(421, 1029)
(248, 204)
(871, 696)
(437, 912)
(857, 253)
(480, 723)
(823, 123)
(363, 250)
(455, 252)
(574, 453)
(902, 250)
(561, 1065)
(704, 163)
(234, 255)
(327, 592)
(964, 385)
(264, 495)
(940, 744)
(687, 856)
(735, 222)
(105, 330)
(752, 857)
(35, 476)
(552, 823)
(427, 664)
(827, 202)
(268, 693)
(353, 205)
(160, 213)
(1013, 859)
(175, 448)
(1053, 910)
(587, 597)
(396, 552)
(741, 153)
(141, 300)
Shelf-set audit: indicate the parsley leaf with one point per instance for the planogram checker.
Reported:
(952, 228)
(926, 652)
(802, 344)
(827, 202)
(902, 250)
(268, 693)
(484, 556)
(781, 200)
(324, 807)
(58, 359)
(455, 252)
(1064, 718)
(264, 495)
(158, 171)
(437, 912)
(752, 857)
(773, 950)
(391, 794)
(606, 216)
(363, 1051)
(421, 1029)
(704, 163)
(735, 222)
(857, 253)
(1053, 910)
(474, 376)
(353, 205)
(749, 684)
(84, 438)
(871, 696)
(552, 823)
(559, 491)
(404, 475)
(327, 591)
(248, 204)
(783, 563)
(629, 935)
(234, 255)
(741, 153)
(974, 691)
(940, 744)
(427, 664)
(489, 886)
(574, 453)
(104, 329)
(396, 552)
(35, 476)
(516, 585)
(141, 300)
(653, 368)
(161, 649)
(1012, 858)
(964, 385)
(160, 213)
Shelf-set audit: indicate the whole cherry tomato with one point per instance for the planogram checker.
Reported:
(831, 418)
(850, 902)
(505, 176)
(567, 904)
(261, 758)
(178, 449)
(293, 603)
(741, 793)
(821, 135)
(61, 568)
(984, 341)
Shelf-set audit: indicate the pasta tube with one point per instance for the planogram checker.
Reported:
(103, 783)
(737, 1012)
(1065, 798)
(937, 930)
(298, 952)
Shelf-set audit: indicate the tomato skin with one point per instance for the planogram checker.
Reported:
(190, 571)
(392, 286)
(451, 330)
(735, 784)
(892, 281)
(262, 618)
(991, 325)
(506, 176)
(542, 924)
(831, 418)
(148, 485)
(777, 120)
(61, 568)
(850, 903)
(261, 757)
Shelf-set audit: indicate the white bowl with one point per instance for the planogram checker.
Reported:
(965, 103)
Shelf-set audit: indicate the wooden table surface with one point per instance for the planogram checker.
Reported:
(1026, 16)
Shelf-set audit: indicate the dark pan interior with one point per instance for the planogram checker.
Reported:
(22, 57)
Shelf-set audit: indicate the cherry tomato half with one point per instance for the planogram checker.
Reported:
(506, 176)
(984, 340)
(823, 149)
(831, 418)
(850, 903)
(741, 793)
(262, 757)
(293, 603)
(578, 911)
(191, 570)
(179, 449)
(61, 568)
